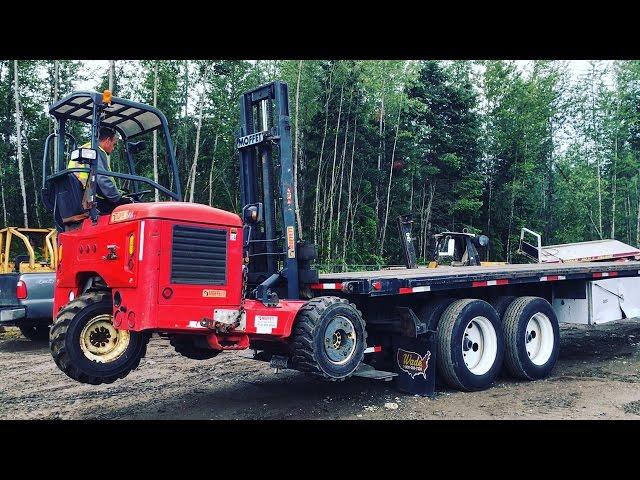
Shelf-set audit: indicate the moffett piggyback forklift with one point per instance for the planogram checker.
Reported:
(202, 276)
(211, 280)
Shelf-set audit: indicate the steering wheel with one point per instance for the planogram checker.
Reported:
(136, 195)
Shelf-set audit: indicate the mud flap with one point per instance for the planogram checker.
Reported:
(414, 361)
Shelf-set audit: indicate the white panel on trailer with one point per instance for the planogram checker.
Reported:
(605, 301)
(629, 290)
(571, 310)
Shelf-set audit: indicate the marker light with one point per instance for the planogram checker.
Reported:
(60, 253)
(132, 241)
(106, 97)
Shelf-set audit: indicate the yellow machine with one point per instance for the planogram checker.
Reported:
(37, 251)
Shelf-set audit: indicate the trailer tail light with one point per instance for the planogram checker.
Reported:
(21, 290)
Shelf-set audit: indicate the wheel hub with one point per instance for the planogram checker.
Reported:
(101, 342)
(539, 339)
(479, 345)
(340, 340)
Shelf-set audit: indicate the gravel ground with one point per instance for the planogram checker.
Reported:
(596, 377)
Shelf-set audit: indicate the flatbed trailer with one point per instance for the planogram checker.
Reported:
(442, 279)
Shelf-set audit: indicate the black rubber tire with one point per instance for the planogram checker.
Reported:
(450, 361)
(516, 361)
(185, 346)
(431, 312)
(36, 333)
(308, 352)
(64, 342)
(502, 303)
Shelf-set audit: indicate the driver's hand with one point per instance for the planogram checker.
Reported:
(124, 200)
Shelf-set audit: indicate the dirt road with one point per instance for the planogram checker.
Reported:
(597, 376)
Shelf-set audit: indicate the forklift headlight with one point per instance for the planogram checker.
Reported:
(84, 154)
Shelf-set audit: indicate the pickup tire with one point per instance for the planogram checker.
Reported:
(36, 333)
(85, 345)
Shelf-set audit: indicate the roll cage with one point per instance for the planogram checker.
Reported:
(130, 119)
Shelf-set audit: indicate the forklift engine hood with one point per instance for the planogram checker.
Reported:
(181, 211)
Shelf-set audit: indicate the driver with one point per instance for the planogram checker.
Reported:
(108, 196)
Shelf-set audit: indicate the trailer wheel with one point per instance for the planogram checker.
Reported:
(502, 303)
(328, 338)
(470, 345)
(185, 346)
(532, 338)
(431, 312)
(86, 346)
(36, 333)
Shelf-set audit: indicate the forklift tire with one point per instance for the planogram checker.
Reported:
(85, 345)
(470, 345)
(328, 338)
(431, 312)
(36, 333)
(532, 338)
(185, 346)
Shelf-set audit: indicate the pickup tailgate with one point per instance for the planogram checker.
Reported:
(8, 282)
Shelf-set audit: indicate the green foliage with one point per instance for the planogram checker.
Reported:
(488, 146)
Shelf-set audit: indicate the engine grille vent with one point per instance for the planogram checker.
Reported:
(199, 255)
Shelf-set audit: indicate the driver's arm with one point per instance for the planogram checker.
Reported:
(106, 185)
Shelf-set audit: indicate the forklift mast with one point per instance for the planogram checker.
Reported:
(278, 260)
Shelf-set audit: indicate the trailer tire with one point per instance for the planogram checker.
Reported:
(185, 346)
(431, 312)
(467, 327)
(35, 333)
(532, 338)
(327, 329)
(502, 303)
(87, 348)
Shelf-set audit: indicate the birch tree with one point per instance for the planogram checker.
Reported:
(16, 93)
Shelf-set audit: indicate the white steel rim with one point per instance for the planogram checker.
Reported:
(101, 342)
(479, 345)
(539, 339)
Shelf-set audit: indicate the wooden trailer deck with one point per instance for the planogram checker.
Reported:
(416, 280)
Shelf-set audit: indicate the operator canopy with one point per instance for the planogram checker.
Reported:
(126, 117)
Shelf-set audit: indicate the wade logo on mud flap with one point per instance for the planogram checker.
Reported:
(413, 363)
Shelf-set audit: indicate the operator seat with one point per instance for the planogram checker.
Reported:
(64, 196)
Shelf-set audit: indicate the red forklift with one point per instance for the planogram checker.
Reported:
(212, 280)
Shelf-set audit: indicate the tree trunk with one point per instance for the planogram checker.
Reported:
(155, 132)
(56, 93)
(194, 165)
(380, 154)
(638, 216)
(295, 152)
(19, 142)
(427, 223)
(213, 159)
(319, 175)
(33, 178)
(333, 172)
(112, 75)
(393, 156)
(346, 221)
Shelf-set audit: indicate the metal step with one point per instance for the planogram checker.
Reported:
(367, 371)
